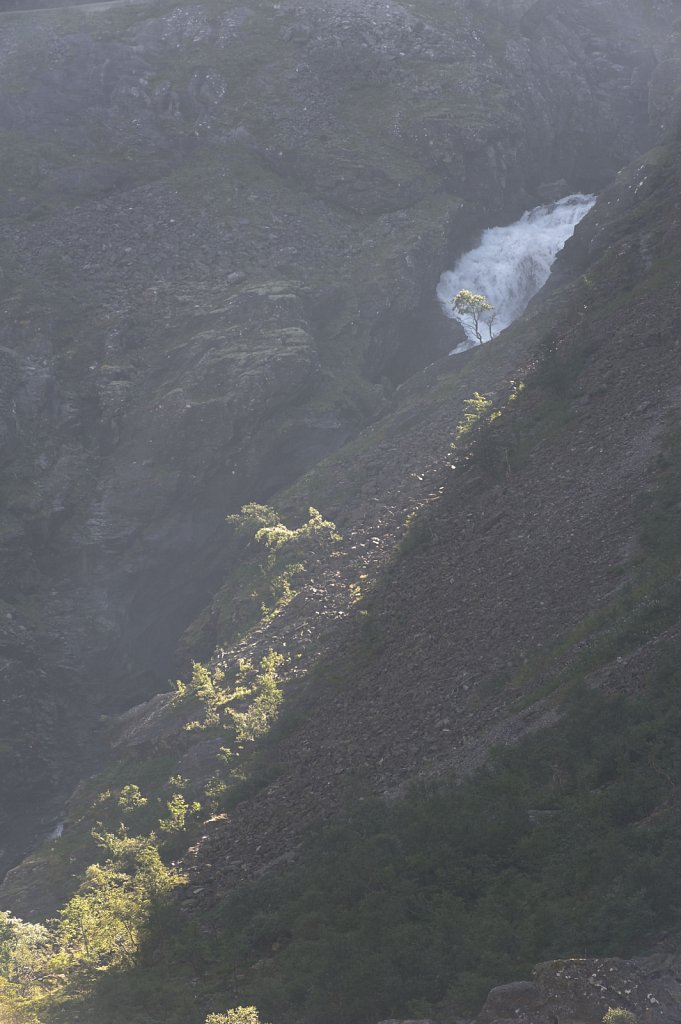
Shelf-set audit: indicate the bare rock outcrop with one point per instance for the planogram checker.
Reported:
(581, 991)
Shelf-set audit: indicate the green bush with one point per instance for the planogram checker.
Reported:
(619, 1016)
(238, 1015)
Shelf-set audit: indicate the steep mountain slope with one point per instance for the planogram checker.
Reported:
(545, 561)
(557, 534)
(549, 559)
(223, 225)
(170, 356)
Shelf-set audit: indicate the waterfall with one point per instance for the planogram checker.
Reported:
(511, 264)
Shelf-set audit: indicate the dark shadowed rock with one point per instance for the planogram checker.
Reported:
(511, 1000)
(581, 991)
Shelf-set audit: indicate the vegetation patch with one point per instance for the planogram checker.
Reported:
(265, 581)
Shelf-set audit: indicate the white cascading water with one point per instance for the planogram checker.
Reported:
(511, 264)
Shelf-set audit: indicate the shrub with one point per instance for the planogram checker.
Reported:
(238, 1015)
(619, 1016)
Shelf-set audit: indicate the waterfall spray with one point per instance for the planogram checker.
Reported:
(512, 263)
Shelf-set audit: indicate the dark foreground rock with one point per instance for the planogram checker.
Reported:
(581, 992)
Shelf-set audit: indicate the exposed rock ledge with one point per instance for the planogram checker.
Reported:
(581, 991)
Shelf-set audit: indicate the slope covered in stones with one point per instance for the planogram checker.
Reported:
(222, 228)
(219, 272)
(546, 560)
(541, 552)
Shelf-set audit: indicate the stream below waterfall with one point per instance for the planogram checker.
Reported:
(512, 263)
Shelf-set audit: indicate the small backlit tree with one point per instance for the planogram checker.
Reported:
(475, 310)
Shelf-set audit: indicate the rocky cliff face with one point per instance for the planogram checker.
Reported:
(223, 230)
